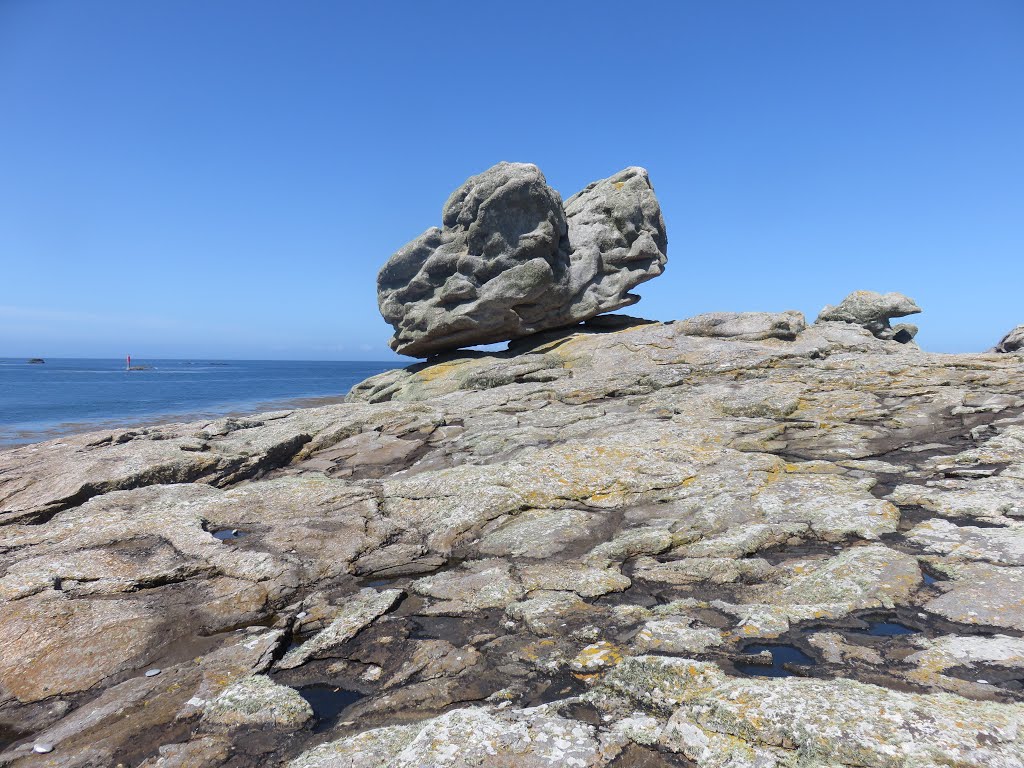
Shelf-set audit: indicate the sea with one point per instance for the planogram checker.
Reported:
(42, 401)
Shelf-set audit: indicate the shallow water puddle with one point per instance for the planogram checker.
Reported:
(328, 701)
(889, 629)
(781, 655)
(228, 534)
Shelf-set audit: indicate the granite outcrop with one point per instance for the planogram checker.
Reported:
(734, 540)
(1012, 342)
(510, 260)
(873, 311)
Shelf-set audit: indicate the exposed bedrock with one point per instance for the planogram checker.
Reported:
(745, 326)
(510, 260)
(874, 311)
(599, 548)
(1013, 341)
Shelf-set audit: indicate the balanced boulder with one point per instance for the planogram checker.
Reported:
(873, 311)
(510, 260)
(1012, 342)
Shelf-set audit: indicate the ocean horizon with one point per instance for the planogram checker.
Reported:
(62, 396)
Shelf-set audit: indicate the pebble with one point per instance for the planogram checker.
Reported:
(301, 615)
(153, 672)
(42, 748)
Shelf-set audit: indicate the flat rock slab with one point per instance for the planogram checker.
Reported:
(356, 613)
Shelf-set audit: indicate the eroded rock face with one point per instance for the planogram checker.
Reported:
(1012, 342)
(874, 311)
(509, 261)
(508, 559)
(746, 326)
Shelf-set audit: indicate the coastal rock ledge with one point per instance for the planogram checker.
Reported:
(733, 541)
(510, 260)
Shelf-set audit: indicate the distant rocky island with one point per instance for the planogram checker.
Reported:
(734, 540)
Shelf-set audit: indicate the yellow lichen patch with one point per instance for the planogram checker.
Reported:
(597, 656)
(439, 370)
(618, 184)
(540, 651)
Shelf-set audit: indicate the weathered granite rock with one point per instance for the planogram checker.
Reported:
(355, 614)
(464, 738)
(127, 718)
(258, 701)
(874, 311)
(1012, 342)
(510, 261)
(981, 594)
(992, 499)
(745, 326)
(475, 586)
(1000, 545)
(550, 512)
(675, 635)
(983, 654)
(819, 722)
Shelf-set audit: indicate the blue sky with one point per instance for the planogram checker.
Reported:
(190, 178)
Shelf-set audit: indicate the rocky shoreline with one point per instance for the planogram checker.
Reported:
(737, 540)
(593, 550)
(14, 439)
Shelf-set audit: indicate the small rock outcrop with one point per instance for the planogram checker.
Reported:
(1012, 342)
(745, 326)
(258, 701)
(510, 260)
(873, 311)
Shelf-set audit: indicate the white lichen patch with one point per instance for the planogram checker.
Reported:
(258, 701)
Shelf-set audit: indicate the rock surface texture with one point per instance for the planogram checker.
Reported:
(1013, 341)
(874, 311)
(510, 260)
(733, 541)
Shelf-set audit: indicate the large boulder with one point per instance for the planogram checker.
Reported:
(873, 311)
(510, 261)
(1012, 342)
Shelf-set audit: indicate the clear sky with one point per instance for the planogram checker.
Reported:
(194, 178)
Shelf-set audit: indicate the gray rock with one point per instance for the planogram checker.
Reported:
(509, 261)
(357, 612)
(874, 311)
(522, 500)
(1012, 342)
(529, 738)
(745, 326)
(618, 240)
(259, 701)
